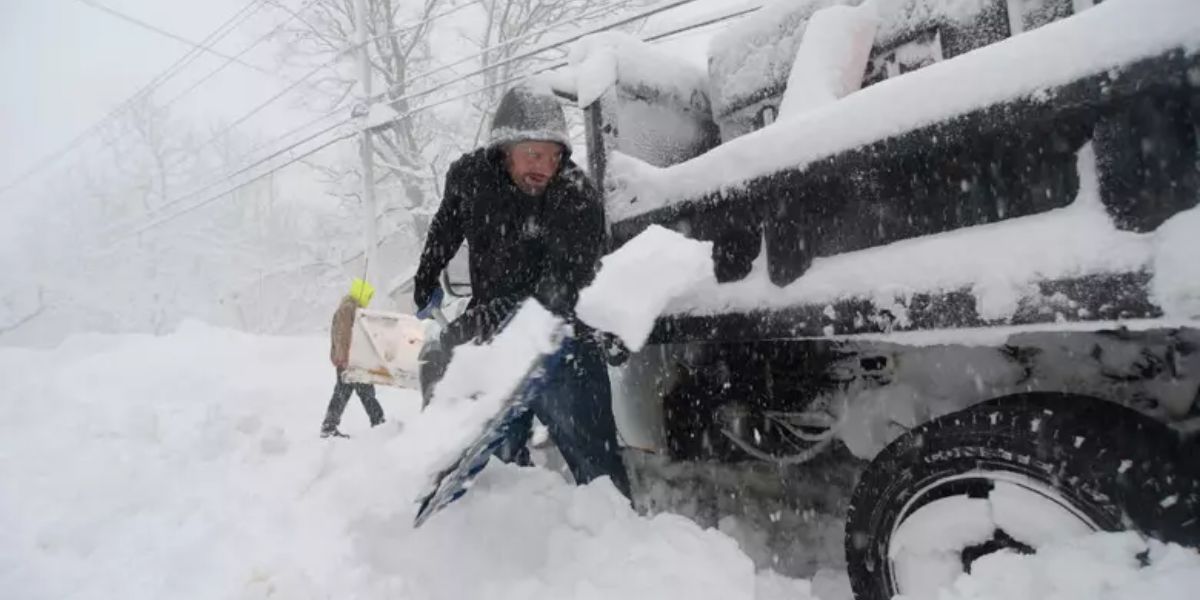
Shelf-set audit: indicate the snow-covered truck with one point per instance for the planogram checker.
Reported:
(956, 298)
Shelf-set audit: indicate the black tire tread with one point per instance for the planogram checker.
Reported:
(1114, 463)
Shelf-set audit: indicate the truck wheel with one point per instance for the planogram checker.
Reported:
(1016, 472)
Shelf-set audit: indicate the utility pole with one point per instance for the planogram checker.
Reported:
(367, 148)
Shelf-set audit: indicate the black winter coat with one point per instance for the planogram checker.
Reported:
(522, 246)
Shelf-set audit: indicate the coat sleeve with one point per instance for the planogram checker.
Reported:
(339, 332)
(576, 241)
(446, 234)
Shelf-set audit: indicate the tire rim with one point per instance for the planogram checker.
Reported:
(922, 547)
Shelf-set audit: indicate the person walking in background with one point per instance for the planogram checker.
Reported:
(339, 353)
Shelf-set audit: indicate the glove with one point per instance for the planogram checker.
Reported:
(435, 301)
(615, 351)
(479, 322)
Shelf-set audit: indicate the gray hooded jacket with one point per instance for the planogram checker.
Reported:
(522, 246)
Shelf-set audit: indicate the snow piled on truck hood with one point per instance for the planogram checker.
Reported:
(1109, 35)
(188, 466)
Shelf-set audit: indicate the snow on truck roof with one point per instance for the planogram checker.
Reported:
(755, 54)
(1107, 36)
(596, 60)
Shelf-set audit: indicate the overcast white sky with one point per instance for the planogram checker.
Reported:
(64, 65)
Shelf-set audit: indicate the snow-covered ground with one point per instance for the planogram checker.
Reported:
(189, 466)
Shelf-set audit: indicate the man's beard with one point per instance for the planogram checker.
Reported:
(533, 188)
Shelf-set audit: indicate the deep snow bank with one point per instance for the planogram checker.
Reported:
(188, 466)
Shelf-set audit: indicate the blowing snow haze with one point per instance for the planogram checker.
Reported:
(443, 299)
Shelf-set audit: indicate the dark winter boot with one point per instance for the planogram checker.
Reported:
(333, 433)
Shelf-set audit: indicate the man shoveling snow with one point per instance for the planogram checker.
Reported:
(535, 226)
(491, 388)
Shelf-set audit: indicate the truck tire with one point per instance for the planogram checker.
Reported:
(1045, 465)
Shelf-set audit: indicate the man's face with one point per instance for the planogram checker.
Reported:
(532, 165)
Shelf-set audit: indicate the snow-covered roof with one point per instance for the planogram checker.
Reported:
(1105, 37)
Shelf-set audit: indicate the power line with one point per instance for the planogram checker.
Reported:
(253, 111)
(356, 46)
(196, 48)
(226, 177)
(256, 163)
(156, 81)
(421, 23)
(705, 23)
(534, 52)
(222, 194)
(543, 30)
(559, 65)
(220, 68)
(274, 98)
(229, 61)
(278, 95)
(408, 114)
(168, 34)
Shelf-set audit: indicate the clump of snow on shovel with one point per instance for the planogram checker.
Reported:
(482, 377)
(637, 282)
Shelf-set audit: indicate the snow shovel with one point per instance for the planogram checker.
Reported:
(451, 483)
(672, 263)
